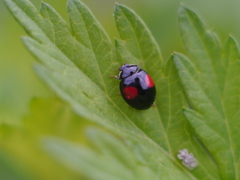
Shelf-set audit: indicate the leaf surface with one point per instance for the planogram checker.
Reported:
(111, 159)
(76, 61)
(210, 78)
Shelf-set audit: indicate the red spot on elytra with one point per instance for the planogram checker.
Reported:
(148, 80)
(130, 92)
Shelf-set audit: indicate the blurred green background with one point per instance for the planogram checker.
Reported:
(19, 84)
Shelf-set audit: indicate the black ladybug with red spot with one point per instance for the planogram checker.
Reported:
(136, 86)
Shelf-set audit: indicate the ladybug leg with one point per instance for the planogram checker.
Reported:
(154, 105)
(114, 76)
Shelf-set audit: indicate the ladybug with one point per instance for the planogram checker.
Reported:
(136, 86)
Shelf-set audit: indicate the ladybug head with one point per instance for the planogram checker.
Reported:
(127, 70)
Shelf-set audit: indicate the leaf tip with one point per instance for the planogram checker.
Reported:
(26, 40)
(6, 2)
(116, 9)
(231, 40)
(23, 38)
(43, 5)
(116, 42)
(119, 7)
(184, 9)
(116, 5)
(230, 36)
(76, 1)
(181, 8)
(38, 69)
(178, 58)
(46, 6)
(176, 54)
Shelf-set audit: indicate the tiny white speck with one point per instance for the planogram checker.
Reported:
(188, 160)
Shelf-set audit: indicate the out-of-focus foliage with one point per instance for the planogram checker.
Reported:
(47, 117)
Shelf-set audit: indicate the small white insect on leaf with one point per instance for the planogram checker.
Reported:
(188, 160)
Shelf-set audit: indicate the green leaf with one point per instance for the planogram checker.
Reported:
(211, 81)
(76, 63)
(137, 40)
(231, 99)
(112, 159)
(9, 169)
(170, 96)
(46, 117)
